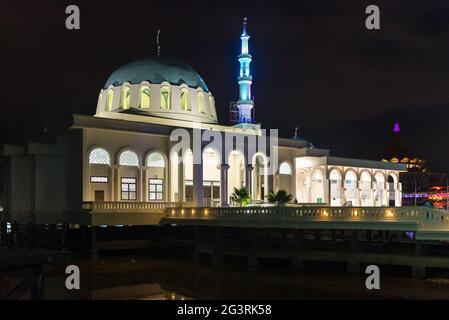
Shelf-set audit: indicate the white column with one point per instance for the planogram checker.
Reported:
(181, 182)
(198, 185)
(224, 184)
(115, 182)
(249, 178)
(327, 191)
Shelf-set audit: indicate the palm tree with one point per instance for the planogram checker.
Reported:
(241, 196)
(280, 198)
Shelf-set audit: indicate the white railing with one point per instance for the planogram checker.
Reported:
(419, 215)
(114, 206)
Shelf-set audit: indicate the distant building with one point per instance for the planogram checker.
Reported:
(418, 180)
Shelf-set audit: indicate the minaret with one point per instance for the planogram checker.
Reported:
(245, 103)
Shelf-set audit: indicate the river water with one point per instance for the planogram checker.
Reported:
(142, 277)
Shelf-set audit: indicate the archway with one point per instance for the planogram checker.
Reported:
(211, 178)
(351, 188)
(236, 172)
(260, 177)
(284, 177)
(391, 182)
(365, 189)
(302, 187)
(317, 189)
(156, 176)
(379, 195)
(335, 188)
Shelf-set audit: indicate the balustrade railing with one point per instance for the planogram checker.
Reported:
(421, 215)
(129, 206)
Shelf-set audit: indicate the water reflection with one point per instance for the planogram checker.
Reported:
(141, 277)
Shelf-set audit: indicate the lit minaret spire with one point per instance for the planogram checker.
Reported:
(245, 102)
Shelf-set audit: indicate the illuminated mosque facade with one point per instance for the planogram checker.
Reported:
(122, 159)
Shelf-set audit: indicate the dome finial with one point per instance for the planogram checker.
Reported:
(396, 128)
(296, 133)
(158, 47)
(244, 26)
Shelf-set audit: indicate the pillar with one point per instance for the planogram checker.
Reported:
(181, 188)
(142, 188)
(297, 257)
(115, 196)
(217, 258)
(196, 243)
(224, 185)
(327, 191)
(253, 261)
(353, 243)
(249, 178)
(198, 185)
(353, 266)
(93, 242)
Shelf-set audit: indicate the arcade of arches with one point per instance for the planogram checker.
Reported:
(156, 177)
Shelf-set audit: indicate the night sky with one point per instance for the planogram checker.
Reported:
(315, 65)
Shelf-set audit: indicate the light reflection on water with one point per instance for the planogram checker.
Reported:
(145, 278)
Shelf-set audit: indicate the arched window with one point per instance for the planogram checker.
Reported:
(185, 101)
(145, 97)
(110, 98)
(156, 160)
(128, 158)
(212, 106)
(125, 98)
(165, 98)
(99, 156)
(200, 102)
(285, 168)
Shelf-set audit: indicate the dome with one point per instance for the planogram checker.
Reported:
(157, 87)
(157, 70)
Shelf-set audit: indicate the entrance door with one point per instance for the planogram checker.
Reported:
(99, 196)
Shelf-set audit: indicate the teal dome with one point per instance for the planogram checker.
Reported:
(157, 70)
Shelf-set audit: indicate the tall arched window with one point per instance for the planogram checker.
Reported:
(145, 97)
(185, 101)
(99, 156)
(165, 98)
(212, 106)
(125, 99)
(200, 102)
(128, 158)
(156, 160)
(109, 99)
(285, 168)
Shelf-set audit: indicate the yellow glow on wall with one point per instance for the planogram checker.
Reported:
(165, 98)
(185, 101)
(125, 98)
(325, 213)
(145, 97)
(193, 211)
(182, 211)
(200, 102)
(355, 213)
(110, 98)
(389, 213)
(206, 212)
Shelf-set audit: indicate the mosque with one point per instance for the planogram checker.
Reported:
(122, 158)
